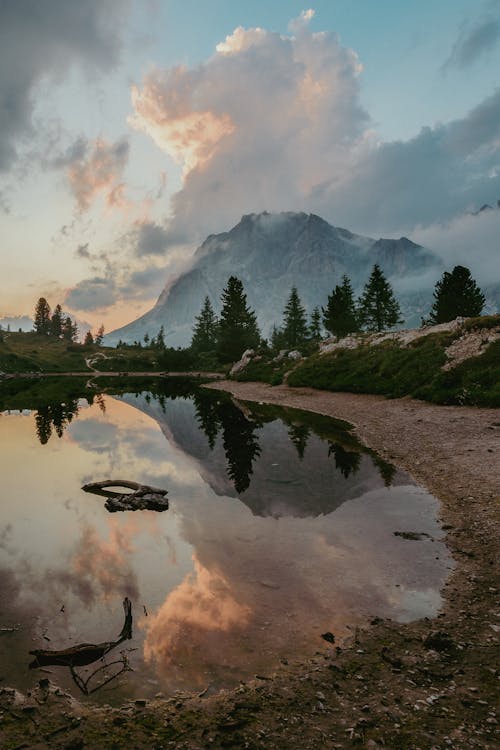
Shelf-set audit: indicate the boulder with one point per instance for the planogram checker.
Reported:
(246, 357)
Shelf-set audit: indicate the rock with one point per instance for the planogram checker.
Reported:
(281, 355)
(413, 536)
(438, 640)
(294, 354)
(328, 637)
(246, 357)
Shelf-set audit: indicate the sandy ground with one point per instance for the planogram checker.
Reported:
(427, 685)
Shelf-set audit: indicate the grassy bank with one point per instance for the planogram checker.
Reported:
(32, 352)
(394, 369)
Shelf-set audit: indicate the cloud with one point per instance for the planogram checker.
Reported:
(39, 40)
(82, 251)
(150, 239)
(95, 293)
(279, 127)
(97, 169)
(432, 177)
(256, 126)
(474, 42)
(100, 566)
(468, 240)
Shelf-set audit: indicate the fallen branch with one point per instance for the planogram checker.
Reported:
(143, 497)
(84, 653)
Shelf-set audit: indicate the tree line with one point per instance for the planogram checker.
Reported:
(377, 309)
(59, 325)
(220, 340)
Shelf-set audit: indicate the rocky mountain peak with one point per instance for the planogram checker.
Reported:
(270, 253)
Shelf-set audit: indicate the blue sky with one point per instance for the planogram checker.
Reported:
(126, 136)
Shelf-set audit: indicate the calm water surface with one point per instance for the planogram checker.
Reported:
(280, 528)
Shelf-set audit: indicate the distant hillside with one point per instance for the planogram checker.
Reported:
(271, 253)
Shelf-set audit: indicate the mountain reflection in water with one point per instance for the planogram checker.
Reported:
(280, 528)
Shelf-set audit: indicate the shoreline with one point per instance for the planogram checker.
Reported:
(426, 685)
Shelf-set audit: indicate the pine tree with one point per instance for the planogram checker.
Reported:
(41, 322)
(294, 321)
(56, 322)
(238, 328)
(456, 294)
(205, 330)
(99, 335)
(378, 307)
(277, 339)
(339, 316)
(146, 338)
(69, 329)
(160, 339)
(315, 325)
(89, 339)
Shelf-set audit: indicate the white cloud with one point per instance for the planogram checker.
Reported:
(274, 123)
(468, 240)
(257, 126)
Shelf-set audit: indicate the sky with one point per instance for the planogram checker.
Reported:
(132, 129)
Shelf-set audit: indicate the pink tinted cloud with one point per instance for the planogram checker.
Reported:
(99, 172)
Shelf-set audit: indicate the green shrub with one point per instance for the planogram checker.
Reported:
(394, 371)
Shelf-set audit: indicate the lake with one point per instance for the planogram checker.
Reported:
(281, 528)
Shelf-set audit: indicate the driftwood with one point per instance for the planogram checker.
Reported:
(83, 653)
(143, 496)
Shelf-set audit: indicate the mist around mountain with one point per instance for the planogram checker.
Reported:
(16, 323)
(270, 253)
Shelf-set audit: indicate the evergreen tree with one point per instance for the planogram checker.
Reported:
(41, 322)
(339, 316)
(238, 328)
(69, 329)
(456, 294)
(56, 322)
(160, 339)
(277, 339)
(294, 321)
(146, 338)
(378, 307)
(99, 335)
(315, 325)
(89, 339)
(205, 330)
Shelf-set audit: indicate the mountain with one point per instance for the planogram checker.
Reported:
(16, 323)
(270, 253)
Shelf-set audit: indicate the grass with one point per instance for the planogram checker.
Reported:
(32, 352)
(395, 371)
(266, 371)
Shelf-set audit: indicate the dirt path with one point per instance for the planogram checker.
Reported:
(428, 685)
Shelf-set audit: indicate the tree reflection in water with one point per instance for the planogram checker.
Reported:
(54, 416)
(217, 413)
(299, 435)
(240, 445)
